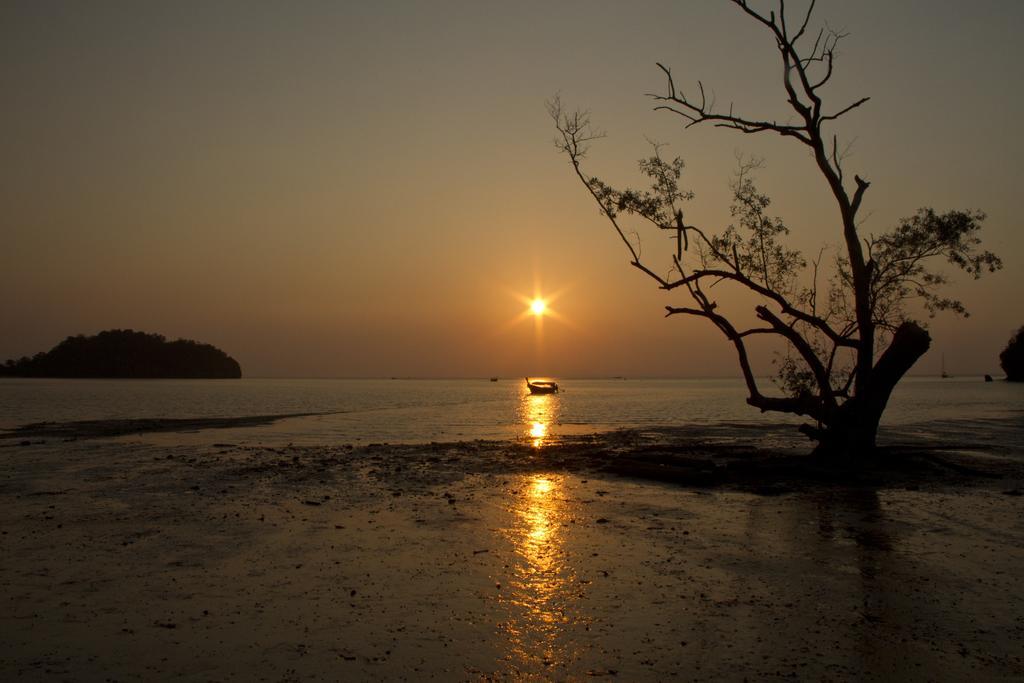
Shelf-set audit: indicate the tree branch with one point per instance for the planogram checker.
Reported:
(821, 375)
(832, 117)
(784, 304)
(703, 112)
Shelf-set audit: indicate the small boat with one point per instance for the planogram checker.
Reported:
(494, 379)
(541, 387)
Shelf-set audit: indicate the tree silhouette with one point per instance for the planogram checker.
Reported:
(1012, 357)
(835, 371)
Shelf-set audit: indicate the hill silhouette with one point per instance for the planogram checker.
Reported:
(126, 354)
(1012, 357)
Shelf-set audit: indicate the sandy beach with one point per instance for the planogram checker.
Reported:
(128, 560)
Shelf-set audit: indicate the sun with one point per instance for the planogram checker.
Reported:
(542, 306)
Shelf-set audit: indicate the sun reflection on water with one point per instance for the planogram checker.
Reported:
(538, 430)
(543, 587)
(537, 412)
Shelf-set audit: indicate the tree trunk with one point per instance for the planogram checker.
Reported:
(852, 431)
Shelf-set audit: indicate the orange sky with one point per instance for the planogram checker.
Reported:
(333, 190)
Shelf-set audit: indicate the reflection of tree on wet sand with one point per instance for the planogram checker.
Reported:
(899, 626)
(848, 532)
(543, 590)
(824, 582)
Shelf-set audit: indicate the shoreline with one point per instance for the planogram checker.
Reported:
(494, 561)
(759, 458)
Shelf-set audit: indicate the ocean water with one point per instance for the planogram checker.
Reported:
(415, 411)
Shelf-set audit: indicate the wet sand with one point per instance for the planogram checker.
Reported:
(128, 560)
(92, 429)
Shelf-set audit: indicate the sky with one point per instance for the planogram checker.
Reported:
(328, 189)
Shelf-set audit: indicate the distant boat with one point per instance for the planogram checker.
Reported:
(542, 387)
(944, 375)
(494, 379)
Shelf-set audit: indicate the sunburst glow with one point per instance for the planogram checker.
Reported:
(540, 306)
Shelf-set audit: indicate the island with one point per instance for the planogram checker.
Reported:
(126, 354)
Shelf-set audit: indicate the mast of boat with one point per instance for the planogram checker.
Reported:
(944, 374)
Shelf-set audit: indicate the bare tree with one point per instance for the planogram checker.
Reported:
(833, 371)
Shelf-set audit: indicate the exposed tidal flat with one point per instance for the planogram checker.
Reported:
(703, 551)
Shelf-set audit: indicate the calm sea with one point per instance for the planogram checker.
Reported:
(412, 411)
